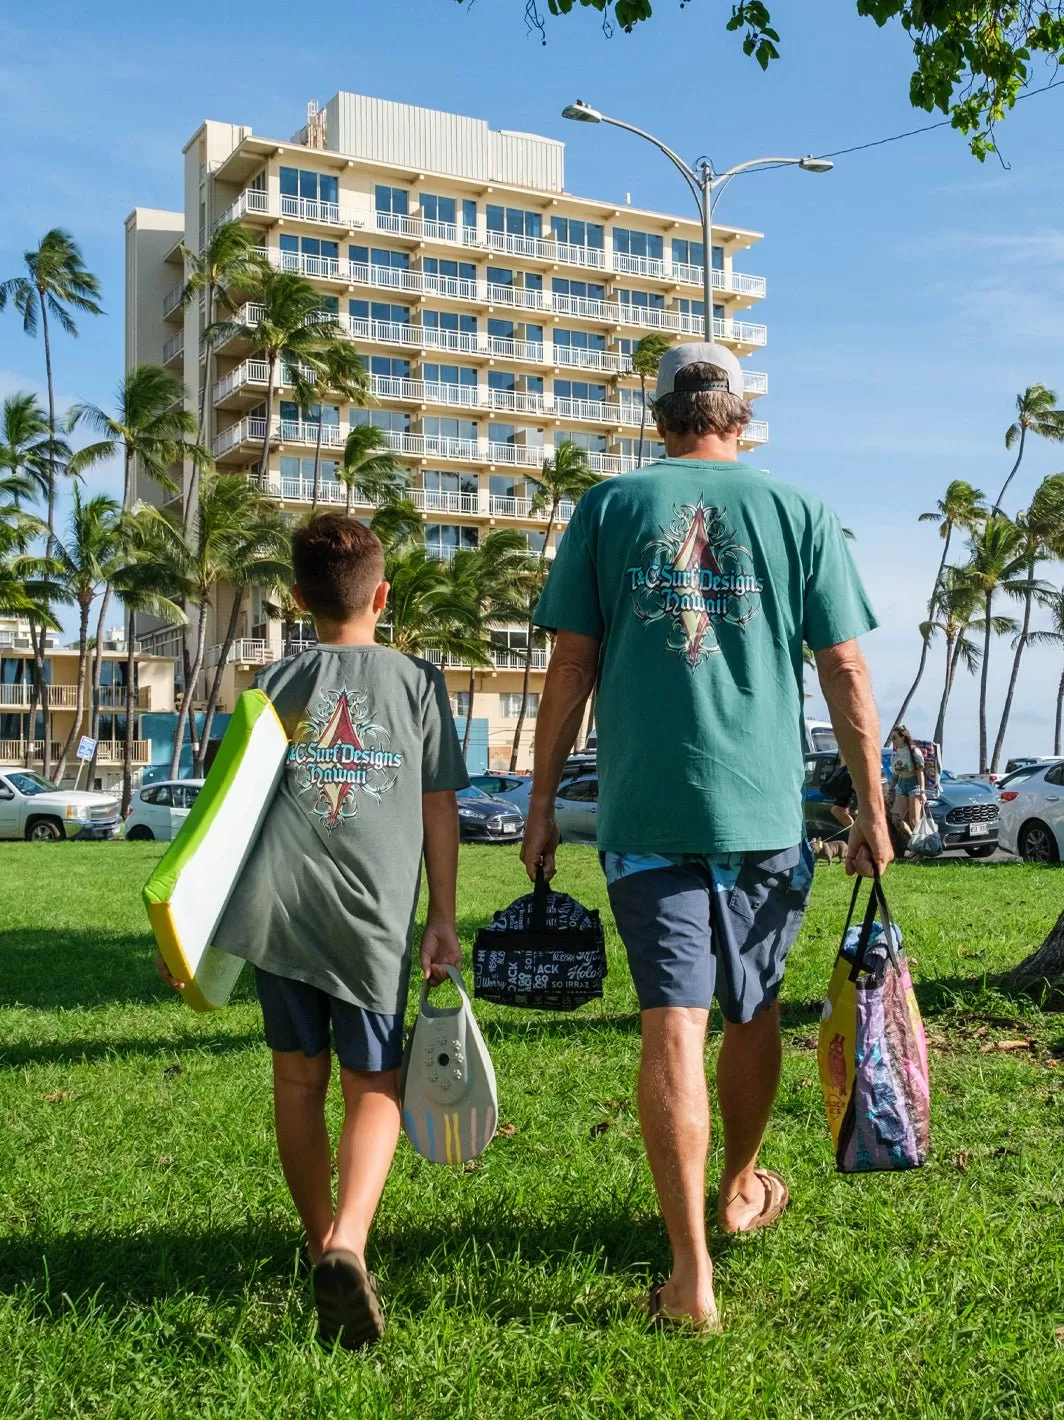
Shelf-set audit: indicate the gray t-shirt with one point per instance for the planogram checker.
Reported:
(329, 893)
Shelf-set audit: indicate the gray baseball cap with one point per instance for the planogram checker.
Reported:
(680, 356)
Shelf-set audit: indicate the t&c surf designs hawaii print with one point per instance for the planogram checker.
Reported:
(697, 578)
(339, 754)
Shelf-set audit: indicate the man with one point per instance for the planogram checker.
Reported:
(687, 590)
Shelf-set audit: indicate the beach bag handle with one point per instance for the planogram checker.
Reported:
(876, 900)
(538, 920)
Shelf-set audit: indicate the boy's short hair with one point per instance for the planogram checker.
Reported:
(700, 411)
(338, 564)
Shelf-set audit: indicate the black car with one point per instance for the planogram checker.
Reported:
(482, 819)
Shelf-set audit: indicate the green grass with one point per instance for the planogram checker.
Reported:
(147, 1255)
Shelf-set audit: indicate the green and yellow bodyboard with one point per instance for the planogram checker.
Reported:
(188, 891)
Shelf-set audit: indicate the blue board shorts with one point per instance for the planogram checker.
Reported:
(297, 1016)
(697, 926)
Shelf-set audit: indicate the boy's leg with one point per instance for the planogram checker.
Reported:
(299, 1089)
(364, 1155)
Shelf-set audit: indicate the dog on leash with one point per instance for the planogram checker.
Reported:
(829, 850)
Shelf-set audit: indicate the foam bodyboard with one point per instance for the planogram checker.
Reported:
(188, 891)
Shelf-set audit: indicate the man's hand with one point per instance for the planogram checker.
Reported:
(164, 973)
(439, 948)
(540, 842)
(870, 850)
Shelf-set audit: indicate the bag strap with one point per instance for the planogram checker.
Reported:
(459, 983)
(538, 921)
(877, 907)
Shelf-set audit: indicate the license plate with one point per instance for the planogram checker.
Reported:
(978, 830)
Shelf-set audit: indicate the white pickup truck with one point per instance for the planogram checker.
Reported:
(32, 807)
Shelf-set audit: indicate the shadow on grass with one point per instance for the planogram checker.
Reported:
(91, 1052)
(52, 968)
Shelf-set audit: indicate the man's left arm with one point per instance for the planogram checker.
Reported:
(570, 680)
(439, 942)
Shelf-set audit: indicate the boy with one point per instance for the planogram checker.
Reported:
(325, 906)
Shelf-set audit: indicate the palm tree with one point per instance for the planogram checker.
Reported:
(340, 375)
(1042, 526)
(958, 602)
(494, 577)
(86, 558)
(369, 468)
(229, 260)
(646, 357)
(1053, 601)
(57, 281)
(1036, 410)
(150, 424)
(292, 327)
(259, 555)
(961, 506)
(997, 564)
(426, 614)
(564, 478)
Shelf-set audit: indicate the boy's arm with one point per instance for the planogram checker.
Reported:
(439, 943)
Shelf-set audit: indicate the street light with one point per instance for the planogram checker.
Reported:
(705, 185)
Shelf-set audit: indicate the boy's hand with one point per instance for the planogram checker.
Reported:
(164, 973)
(540, 842)
(439, 948)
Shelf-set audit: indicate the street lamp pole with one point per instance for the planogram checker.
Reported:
(704, 183)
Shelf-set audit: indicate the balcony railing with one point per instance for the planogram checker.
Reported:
(501, 659)
(172, 299)
(247, 651)
(481, 504)
(107, 751)
(255, 202)
(174, 347)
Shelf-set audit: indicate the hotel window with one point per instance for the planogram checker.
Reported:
(436, 481)
(449, 428)
(629, 242)
(586, 290)
(532, 281)
(292, 414)
(590, 443)
(315, 187)
(448, 320)
(579, 339)
(439, 209)
(395, 260)
(391, 199)
(500, 276)
(390, 368)
(392, 421)
(469, 212)
(530, 384)
(461, 270)
(461, 704)
(514, 221)
(379, 311)
(303, 468)
(579, 389)
(652, 449)
(505, 380)
(502, 485)
(450, 375)
(501, 329)
(577, 233)
(510, 704)
(440, 535)
(533, 334)
(642, 300)
(293, 248)
(697, 308)
(685, 253)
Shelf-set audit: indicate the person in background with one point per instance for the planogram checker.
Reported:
(907, 776)
(839, 789)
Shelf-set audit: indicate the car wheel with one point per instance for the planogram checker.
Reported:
(985, 850)
(139, 833)
(1037, 844)
(45, 830)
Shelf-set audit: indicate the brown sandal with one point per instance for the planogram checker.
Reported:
(660, 1320)
(777, 1196)
(347, 1301)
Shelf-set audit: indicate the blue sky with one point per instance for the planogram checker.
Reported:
(912, 292)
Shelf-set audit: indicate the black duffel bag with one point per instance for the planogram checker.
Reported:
(546, 952)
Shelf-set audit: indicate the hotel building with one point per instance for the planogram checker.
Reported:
(496, 313)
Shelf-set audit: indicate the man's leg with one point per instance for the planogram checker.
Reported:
(299, 1089)
(748, 1072)
(364, 1155)
(674, 1114)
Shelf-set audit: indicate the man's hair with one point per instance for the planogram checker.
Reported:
(701, 411)
(338, 563)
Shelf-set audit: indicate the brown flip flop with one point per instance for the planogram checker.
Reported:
(347, 1301)
(660, 1320)
(777, 1196)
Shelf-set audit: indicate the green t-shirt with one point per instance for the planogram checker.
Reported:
(329, 892)
(701, 581)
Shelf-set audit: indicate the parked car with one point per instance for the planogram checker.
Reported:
(158, 810)
(576, 809)
(514, 788)
(966, 811)
(484, 819)
(1032, 813)
(32, 807)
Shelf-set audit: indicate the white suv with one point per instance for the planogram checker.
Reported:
(32, 807)
(158, 810)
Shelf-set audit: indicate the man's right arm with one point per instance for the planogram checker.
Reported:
(848, 692)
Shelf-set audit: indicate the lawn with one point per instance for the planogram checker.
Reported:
(148, 1249)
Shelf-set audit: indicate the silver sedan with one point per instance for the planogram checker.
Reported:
(576, 809)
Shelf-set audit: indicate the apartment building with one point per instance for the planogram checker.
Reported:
(22, 744)
(495, 311)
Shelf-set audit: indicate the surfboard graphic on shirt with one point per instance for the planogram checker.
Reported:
(697, 579)
(340, 755)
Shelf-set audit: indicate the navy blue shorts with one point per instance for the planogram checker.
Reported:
(297, 1016)
(697, 926)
